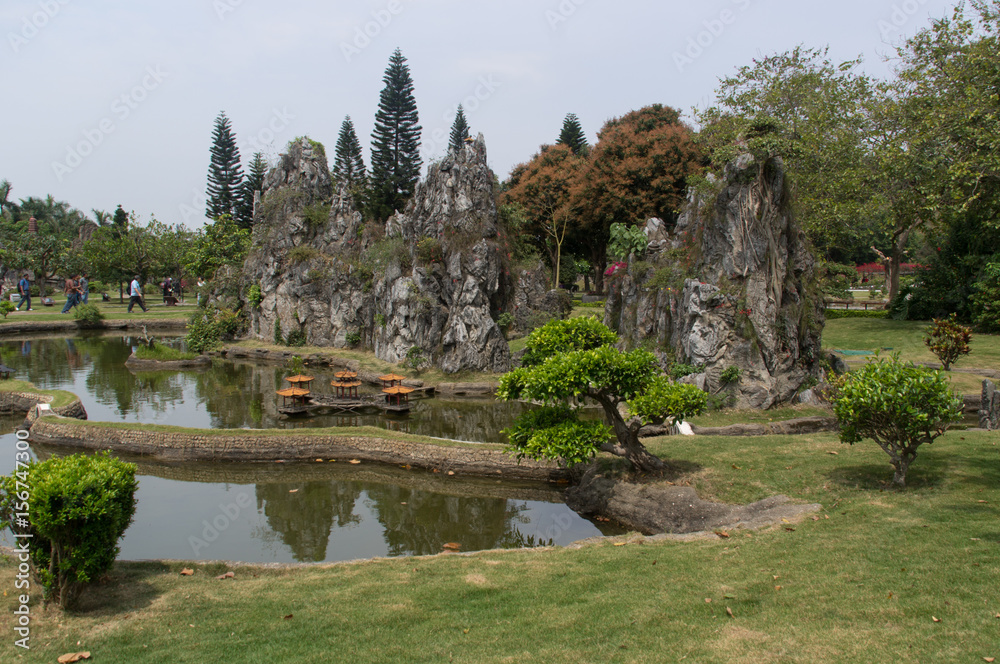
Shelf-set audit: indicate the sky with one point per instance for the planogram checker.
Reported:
(110, 102)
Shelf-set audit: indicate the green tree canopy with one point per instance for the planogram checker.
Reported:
(572, 136)
(349, 164)
(253, 183)
(396, 158)
(567, 360)
(220, 243)
(225, 174)
(459, 131)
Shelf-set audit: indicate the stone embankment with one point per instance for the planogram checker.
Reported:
(26, 402)
(275, 446)
(16, 327)
(135, 364)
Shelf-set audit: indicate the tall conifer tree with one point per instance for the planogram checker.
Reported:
(254, 182)
(225, 175)
(349, 166)
(396, 158)
(572, 136)
(459, 131)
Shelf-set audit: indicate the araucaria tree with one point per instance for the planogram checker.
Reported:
(225, 175)
(898, 405)
(459, 131)
(254, 182)
(573, 137)
(349, 164)
(396, 158)
(567, 360)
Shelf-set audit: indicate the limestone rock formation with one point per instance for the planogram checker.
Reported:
(732, 286)
(533, 304)
(434, 278)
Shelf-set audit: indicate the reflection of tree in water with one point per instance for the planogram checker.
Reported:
(429, 520)
(303, 519)
(41, 361)
(233, 394)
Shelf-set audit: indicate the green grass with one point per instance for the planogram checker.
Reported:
(907, 337)
(60, 398)
(164, 353)
(861, 583)
(721, 418)
(373, 432)
(111, 310)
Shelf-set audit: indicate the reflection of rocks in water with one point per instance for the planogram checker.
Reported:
(429, 520)
(303, 519)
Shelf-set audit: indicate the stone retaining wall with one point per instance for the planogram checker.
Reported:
(25, 402)
(32, 327)
(267, 446)
(134, 363)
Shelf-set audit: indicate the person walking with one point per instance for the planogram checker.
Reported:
(72, 290)
(135, 295)
(84, 288)
(24, 288)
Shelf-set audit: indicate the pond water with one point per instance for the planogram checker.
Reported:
(288, 512)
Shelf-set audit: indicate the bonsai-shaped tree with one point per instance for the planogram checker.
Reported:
(949, 340)
(898, 405)
(569, 359)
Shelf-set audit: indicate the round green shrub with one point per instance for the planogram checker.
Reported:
(88, 314)
(898, 405)
(80, 506)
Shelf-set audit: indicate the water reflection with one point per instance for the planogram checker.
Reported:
(229, 395)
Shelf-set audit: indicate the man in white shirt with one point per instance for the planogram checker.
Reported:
(135, 295)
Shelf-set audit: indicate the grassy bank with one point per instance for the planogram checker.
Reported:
(111, 310)
(907, 338)
(862, 583)
(59, 397)
(163, 353)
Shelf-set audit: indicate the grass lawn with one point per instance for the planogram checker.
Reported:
(863, 582)
(59, 397)
(163, 353)
(907, 337)
(111, 310)
(721, 418)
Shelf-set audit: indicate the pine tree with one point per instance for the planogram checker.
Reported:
(254, 182)
(349, 165)
(225, 175)
(572, 136)
(396, 158)
(459, 131)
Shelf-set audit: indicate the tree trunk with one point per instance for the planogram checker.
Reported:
(901, 466)
(628, 439)
(896, 260)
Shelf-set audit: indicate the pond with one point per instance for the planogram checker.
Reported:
(293, 512)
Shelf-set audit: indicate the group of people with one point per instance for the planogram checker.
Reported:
(77, 291)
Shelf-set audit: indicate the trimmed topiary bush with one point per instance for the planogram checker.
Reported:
(898, 405)
(80, 506)
(948, 340)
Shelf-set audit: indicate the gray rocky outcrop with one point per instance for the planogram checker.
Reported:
(433, 277)
(733, 285)
(534, 305)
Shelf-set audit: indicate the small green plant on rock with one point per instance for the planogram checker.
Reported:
(949, 340)
(729, 375)
(254, 297)
(898, 405)
(353, 338)
(80, 507)
(415, 359)
(505, 321)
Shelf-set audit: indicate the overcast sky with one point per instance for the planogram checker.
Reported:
(113, 101)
